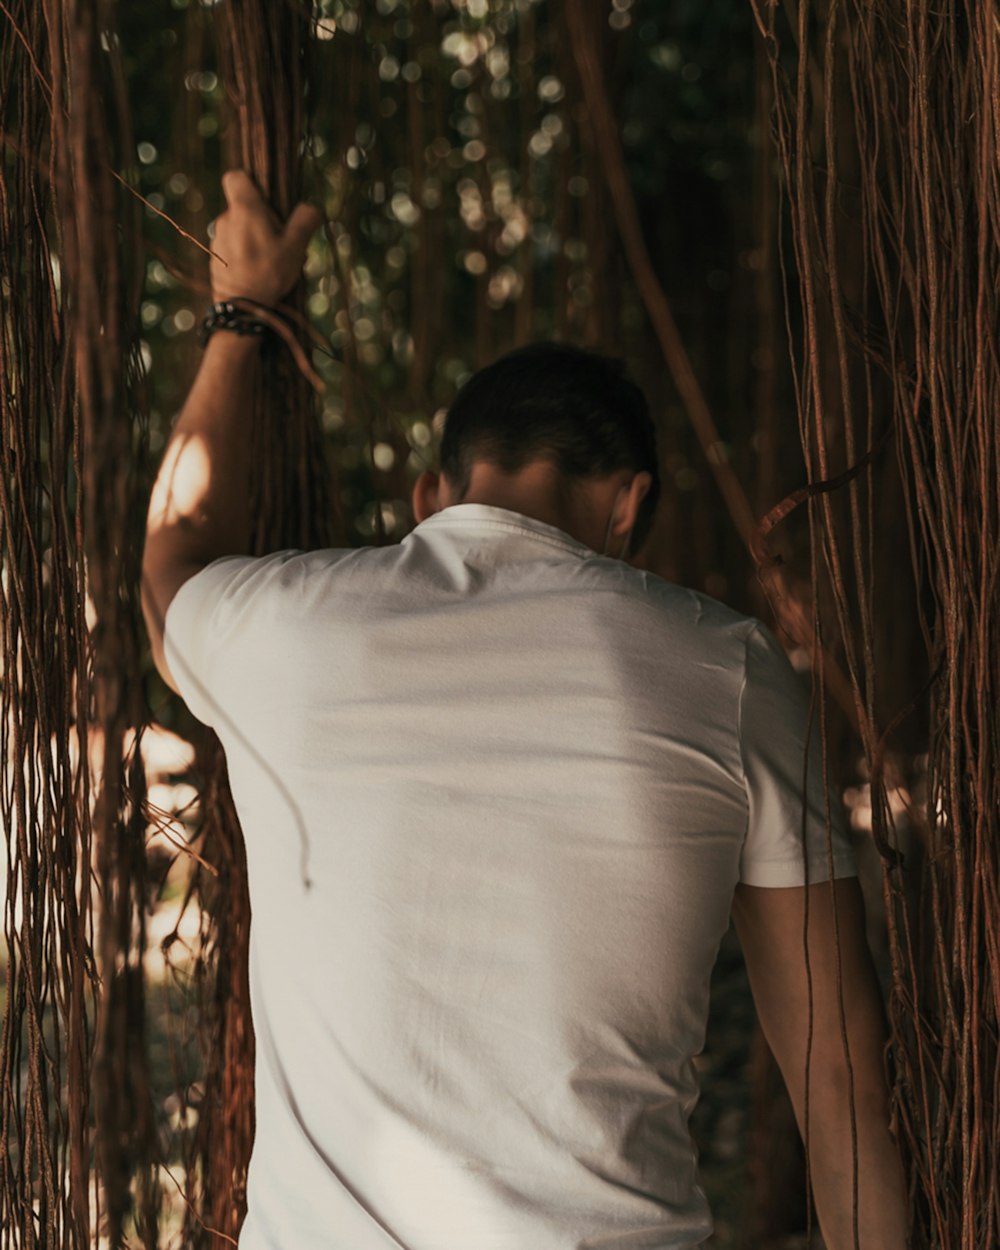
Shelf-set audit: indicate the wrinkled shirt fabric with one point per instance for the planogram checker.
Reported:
(496, 792)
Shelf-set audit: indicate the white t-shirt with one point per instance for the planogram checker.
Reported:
(522, 780)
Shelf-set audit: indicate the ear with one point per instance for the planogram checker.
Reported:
(426, 495)
(638, 489)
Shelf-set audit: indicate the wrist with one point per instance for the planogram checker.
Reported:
(226, 343)
(236, 318)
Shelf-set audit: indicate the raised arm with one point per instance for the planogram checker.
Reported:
(769, 923)
(198, 507)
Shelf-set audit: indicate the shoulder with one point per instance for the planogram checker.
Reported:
(231, 583)
(221, 621)
(682, 607)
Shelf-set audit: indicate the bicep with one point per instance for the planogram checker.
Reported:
(838, 993)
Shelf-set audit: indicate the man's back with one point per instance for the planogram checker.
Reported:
(523, 781)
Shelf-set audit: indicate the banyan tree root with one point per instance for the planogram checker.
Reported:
(887, 131)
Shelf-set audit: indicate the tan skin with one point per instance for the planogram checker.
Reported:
(198, 512)
(582, 509)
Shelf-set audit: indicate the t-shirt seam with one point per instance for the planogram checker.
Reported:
(844, 865)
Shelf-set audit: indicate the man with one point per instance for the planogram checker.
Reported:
(501, 790)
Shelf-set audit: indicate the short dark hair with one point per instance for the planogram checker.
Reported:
(553, 401)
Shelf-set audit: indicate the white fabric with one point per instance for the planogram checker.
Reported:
(523, 780)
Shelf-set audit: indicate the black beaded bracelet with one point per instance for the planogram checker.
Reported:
(224, 315)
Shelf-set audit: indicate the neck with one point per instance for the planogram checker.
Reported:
(538, 490)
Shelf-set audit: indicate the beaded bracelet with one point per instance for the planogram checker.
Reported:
(224, 315)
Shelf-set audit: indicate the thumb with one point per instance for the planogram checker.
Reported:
(303, 222)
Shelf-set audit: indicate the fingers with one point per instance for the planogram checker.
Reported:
(303, 222)
(239, 188)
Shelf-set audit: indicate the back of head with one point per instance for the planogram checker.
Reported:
(557, 402)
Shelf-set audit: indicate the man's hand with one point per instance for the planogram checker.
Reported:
(263, 257)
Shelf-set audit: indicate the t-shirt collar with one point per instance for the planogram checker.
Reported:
(482, 516)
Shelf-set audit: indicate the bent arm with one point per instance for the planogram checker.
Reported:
(199, 508)
(769, 923)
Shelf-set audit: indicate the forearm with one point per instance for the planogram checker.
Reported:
(199, 509)
(838, 995)
(199, 506)
(881, 1191)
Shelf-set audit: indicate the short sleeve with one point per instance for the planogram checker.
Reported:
(208, 637)
(774, 727)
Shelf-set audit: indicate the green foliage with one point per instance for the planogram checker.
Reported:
(464, 211)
